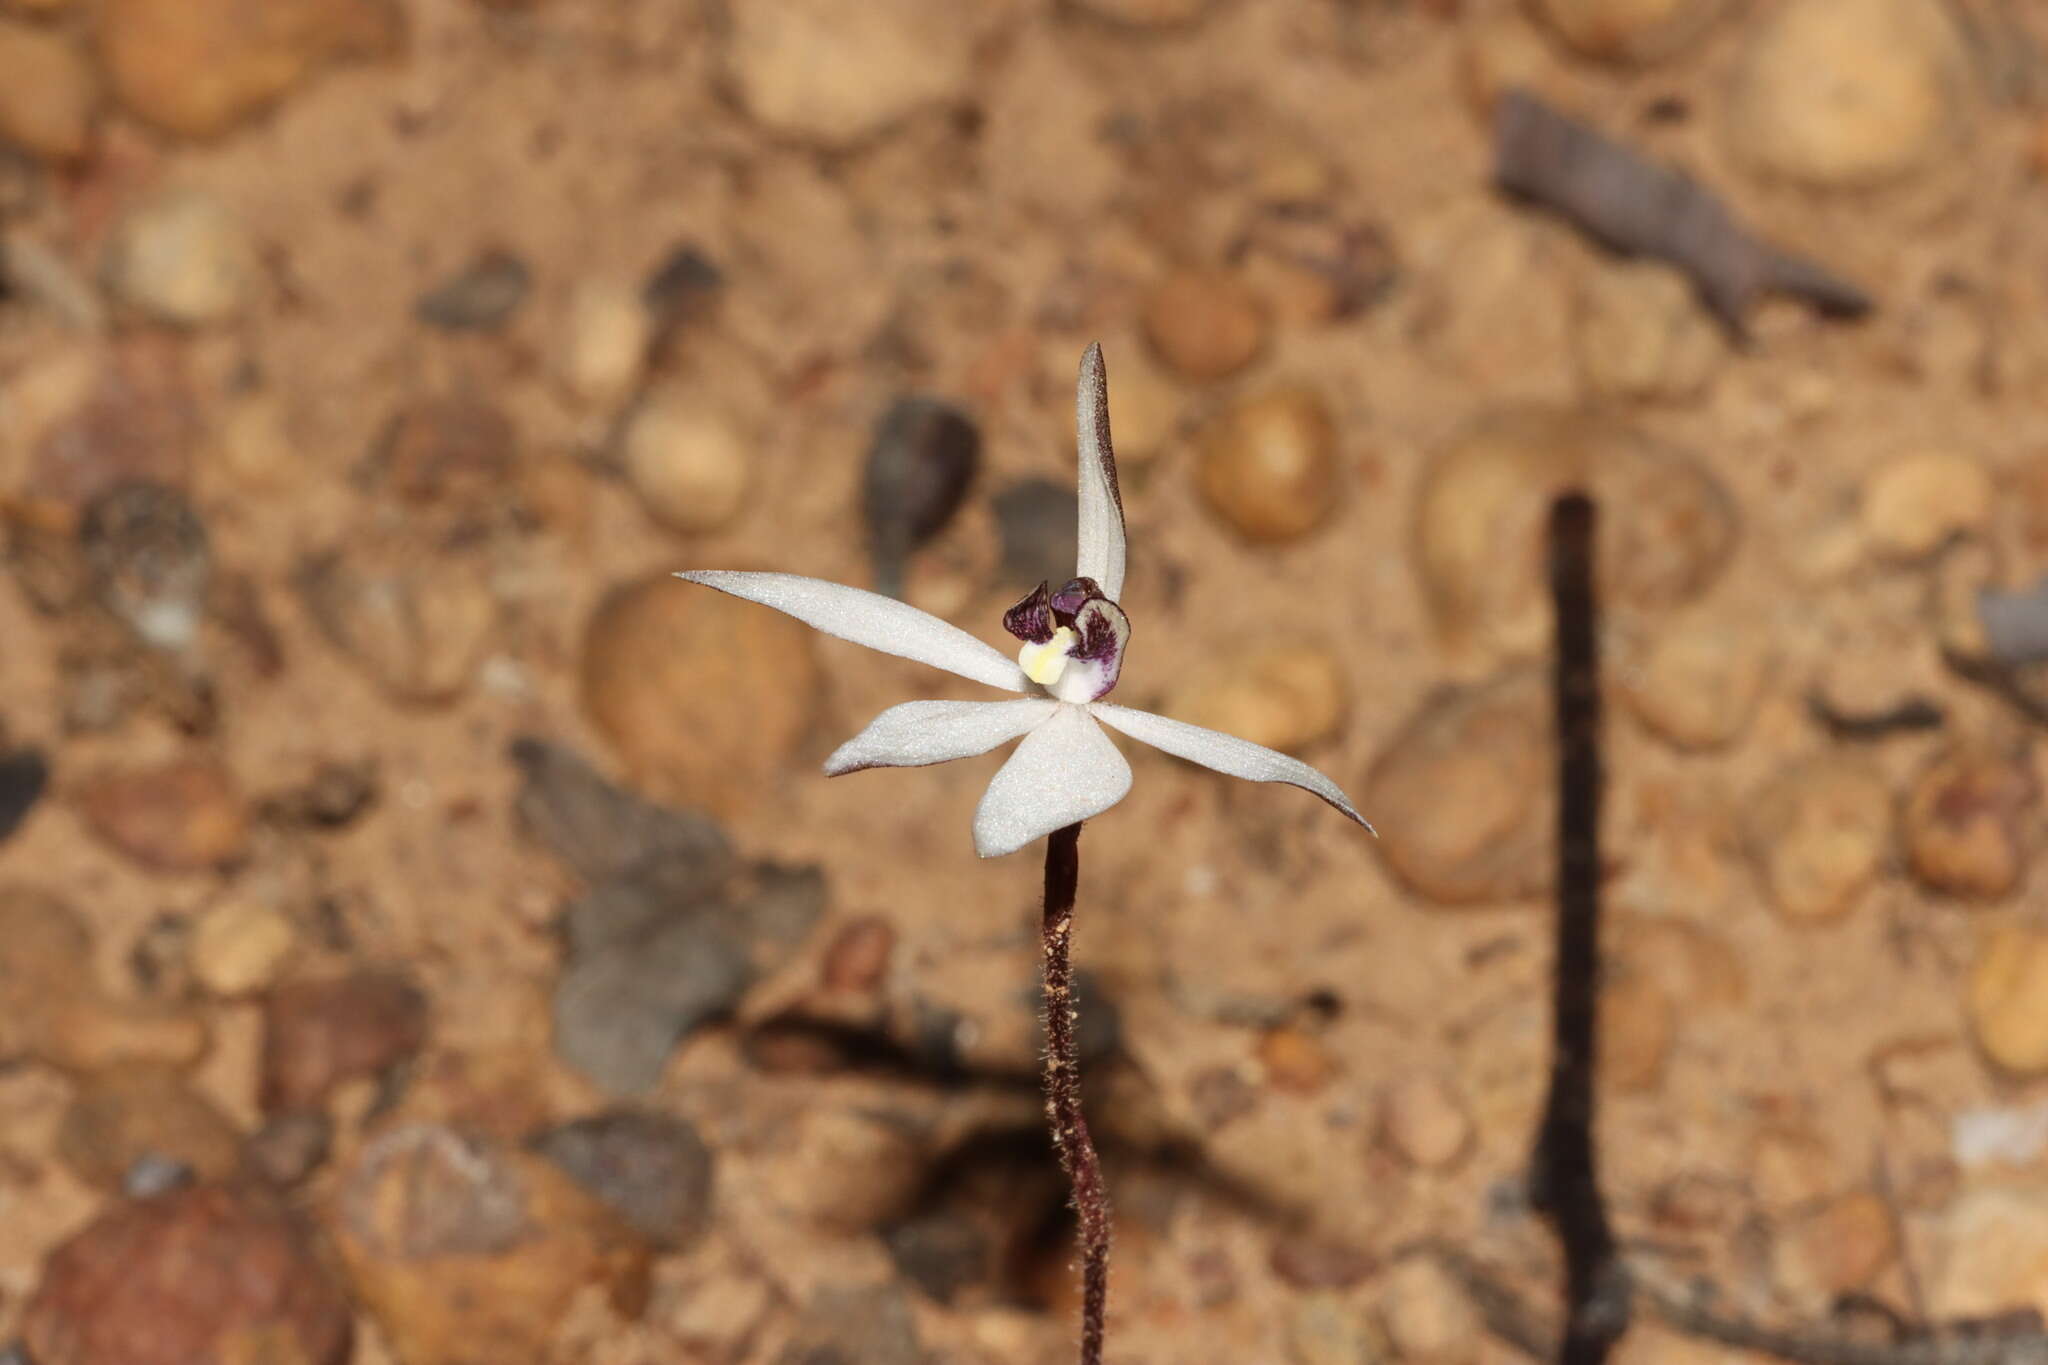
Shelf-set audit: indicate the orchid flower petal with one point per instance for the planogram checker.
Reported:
(1224, 753)
(868, 618)
(919, 733)
(1102, 507)
(1065, 771)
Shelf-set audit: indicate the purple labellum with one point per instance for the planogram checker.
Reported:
(1104, 631)
(1031, 620)
(1068, 601)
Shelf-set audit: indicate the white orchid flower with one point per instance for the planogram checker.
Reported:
(1066, 770)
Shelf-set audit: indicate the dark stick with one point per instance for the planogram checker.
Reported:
(1564, 1178)
(1639, 208)
(1063, 1086)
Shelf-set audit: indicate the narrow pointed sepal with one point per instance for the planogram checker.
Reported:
(1102, 508)
(1224, 753)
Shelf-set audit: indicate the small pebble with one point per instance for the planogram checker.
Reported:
(160, 957)
(193, 1274)
(652, 1170)
(199, 67)
(239, 946)
(1303, 1261)
(1330, 1329)
(1962, 574)
(1844, 94)
(848, 1170)
(814, 70)
(150, 561)
(1205, 324)
(152, 1175)
(185, 815)
(690, 463)
(181, 257)
(318, 1034)
(1793, 1168)
(51, 1008)
(290, 1147)
(1294, 1062)
(1688, 961)
(603, 831)
(648, 963)
(418, 625)
(1474, 770)
(454, 448)
(1499, 52)
(855, 1326)
(1637, 1026)
(1315, 270)
(1425, 1121)
(1629, 30)
(1642, 335)
(605, 337)
(751, 674)
(2006, 999)
(1915, 505)
(1839, 1247)
(336, 795)
(1817, 834)
(921, 462)
(943, 1251)
(49, 95)
(135, 421)
(1992, 1250)
(859, 955)
(682, 286)
(481, 297)
(1966, 823)
(1218, 1095)
(254, 445)
(1269, 464)
(558, 494)
(1701, 681)
(1037, 520)
(1427, 1317)
(1285, 697)
(128, 1113)
(464, 1249)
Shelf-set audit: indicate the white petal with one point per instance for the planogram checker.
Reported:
(868, 618)
(1065, 771)
(1224, 753)
(1102, 507)
(918, 733)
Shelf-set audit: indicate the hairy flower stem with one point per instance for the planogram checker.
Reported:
(1063, 1086)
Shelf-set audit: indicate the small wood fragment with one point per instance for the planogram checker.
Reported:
(1638, 208)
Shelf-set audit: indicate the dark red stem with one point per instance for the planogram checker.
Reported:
(1063, 1086)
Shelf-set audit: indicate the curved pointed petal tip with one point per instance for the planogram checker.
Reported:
(1225, 754)
(1102, 550)
(870, 619)
(1065, 771)
(917, 734)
